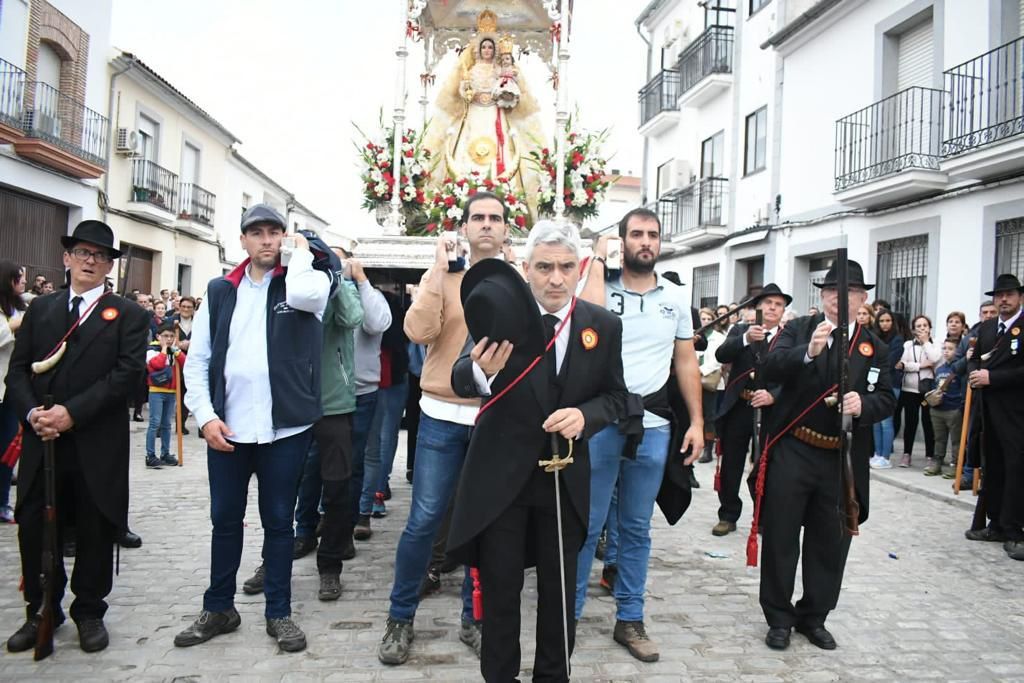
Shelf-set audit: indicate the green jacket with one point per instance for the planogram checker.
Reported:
(343, 314)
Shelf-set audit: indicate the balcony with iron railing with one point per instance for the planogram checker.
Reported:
(12, 101)
(659, 102)
(695, 214)
(62, 132)
(154, 191)
(705, 66)
(195, 209)
(984, 124)
(890, 150)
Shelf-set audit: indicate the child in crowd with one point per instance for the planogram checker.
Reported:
(948, 416)
(160, 377)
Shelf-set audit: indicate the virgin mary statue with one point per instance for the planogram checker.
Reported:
(485, 118)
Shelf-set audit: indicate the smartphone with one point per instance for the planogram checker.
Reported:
(613, 261)
(287, 247)
(451, 245)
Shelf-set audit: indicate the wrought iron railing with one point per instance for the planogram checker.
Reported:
(154, 185)
(986, 99)
(660, 94)
(196, 204)
(65, 122)
(710, 53)
(699, 205)
(12, 94)
(902, 131)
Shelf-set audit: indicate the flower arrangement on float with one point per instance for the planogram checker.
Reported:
(377, 171)
(586, 181)
(444, 205)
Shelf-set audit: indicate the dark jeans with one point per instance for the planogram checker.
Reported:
(333, 442)
(910, 403)
(412, 421)
(277, 467)
(365, 407)
(8, 430)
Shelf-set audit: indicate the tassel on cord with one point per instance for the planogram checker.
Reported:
(478, 596)
(718, 464)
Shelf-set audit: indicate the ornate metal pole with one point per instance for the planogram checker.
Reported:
(561, 101)
(395, 224)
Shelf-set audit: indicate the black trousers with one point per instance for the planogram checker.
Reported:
(333, 434)
(802, 490)
(1003, 481)
(93, 574)
(528, 528)
(910, 404)
(735, 430)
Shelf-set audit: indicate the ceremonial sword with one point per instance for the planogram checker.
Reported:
(556, 464)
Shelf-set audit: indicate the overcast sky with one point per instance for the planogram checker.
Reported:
(290, 78)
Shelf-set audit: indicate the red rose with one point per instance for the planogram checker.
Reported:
(577, 158)
(521, 221)
(431, 227)
(472, 191)
(489, 184)
(449, 201)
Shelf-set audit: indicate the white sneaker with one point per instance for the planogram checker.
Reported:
(883, 464)
(873, 462)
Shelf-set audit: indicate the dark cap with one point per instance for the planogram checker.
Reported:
(262, 213)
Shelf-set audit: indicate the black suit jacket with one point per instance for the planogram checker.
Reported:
(508, 439)
(803, 382)
(743, 360)
(1002, 398)
(102, 367)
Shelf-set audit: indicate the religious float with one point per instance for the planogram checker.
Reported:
(485, 129)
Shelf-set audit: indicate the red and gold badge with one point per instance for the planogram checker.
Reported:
(865, 349)
(109, 313)
(589, 338)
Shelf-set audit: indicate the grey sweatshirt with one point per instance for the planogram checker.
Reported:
(376, 320)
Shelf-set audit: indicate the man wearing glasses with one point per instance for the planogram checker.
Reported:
(100, 368)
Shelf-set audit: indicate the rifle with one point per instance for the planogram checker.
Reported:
(44, 635)
(756, 377)
(851, 508)
(965, 428)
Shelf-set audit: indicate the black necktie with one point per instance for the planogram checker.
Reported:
(767, 337)
(1002, 329)
(74, 312)
(550, 327)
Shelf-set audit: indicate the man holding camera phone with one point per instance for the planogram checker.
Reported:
(254, 373)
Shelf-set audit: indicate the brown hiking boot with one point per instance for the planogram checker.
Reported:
(633, 635)
(723, 528)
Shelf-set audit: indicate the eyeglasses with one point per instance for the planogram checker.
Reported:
(84, 254)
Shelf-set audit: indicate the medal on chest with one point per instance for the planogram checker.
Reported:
(872, 378)
(1014, 346)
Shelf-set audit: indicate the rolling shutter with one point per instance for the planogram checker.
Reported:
(915, 57)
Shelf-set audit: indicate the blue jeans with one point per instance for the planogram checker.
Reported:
(381, 446)
(611, 526)
(638, 484)
(440, 451)
(361, 423)
(278, 467)
(161, 412)
(885, 433)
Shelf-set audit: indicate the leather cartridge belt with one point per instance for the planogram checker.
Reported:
(816, 439)
(747, 394)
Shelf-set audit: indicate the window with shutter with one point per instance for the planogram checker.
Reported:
(915, 60)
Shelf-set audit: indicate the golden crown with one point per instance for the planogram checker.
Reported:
(487, 22)
(506, 45)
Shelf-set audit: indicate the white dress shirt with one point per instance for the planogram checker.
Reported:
(87, 300)
(248, 405)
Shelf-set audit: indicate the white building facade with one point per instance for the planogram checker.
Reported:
(892, 127)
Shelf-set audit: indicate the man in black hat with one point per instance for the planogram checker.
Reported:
(505, 515)
(90, 382)
(800, 466)
(745, 348)
(997, 375)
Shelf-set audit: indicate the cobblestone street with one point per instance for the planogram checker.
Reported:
(919, 602)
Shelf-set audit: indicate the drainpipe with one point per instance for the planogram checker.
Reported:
(647, 143)
(110, 139)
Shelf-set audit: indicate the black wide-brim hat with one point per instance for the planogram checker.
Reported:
(93, 232)
(497, 303)
(771, 289)
(855, 277)
(1006, 282)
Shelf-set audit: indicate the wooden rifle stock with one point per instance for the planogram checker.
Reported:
(47, 619)
(965, 427)
(851, 508)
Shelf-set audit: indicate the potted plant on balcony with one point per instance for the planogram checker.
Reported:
(139, 193)
(377, 172)
(585, 179)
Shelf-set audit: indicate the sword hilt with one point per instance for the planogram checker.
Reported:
(557, 463)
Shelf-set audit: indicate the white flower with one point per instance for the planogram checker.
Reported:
(376, 176)
(454, 212)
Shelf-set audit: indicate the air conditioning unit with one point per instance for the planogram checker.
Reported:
(764, 216)
(674, 175)
(127, 141)
(37, 121)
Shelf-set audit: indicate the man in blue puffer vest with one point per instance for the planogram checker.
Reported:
(254, 386)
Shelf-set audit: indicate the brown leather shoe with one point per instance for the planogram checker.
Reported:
(633, 635)
(723, 528)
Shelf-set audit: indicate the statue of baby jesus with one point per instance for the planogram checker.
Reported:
(506, 88)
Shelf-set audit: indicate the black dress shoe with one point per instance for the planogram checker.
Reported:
(818, 635)
(25, 637)
(208, 625)
(1014, 549)
(987, 534)
(303, 546)
(92, 635)
(128, 539)
(777, 638)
